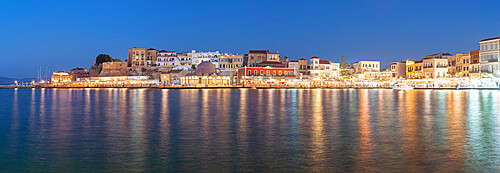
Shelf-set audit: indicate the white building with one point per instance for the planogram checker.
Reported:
(323, 69)
(294, 65)
(361, 67)
(167, 59)
(436, 65)
(199, 57)
(489, 56)
(185, 60)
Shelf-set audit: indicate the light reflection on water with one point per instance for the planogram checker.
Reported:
(318, 130)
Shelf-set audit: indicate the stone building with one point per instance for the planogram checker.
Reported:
(113, 69)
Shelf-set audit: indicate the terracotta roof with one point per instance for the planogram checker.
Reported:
(293, 61)
(151, 49)
(314, 57)
(490, 39)
(302, 59)
(324, 62)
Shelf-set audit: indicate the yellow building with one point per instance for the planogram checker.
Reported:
(414, 69)
(137, 57)
(60, 77)
(463, 65)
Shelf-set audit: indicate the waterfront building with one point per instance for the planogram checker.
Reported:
(323, 69)
(361, 67)
(398, 69)
(303, 66)
(475, 64)
(489, 52)
(113, 69)
(185, 60)
(436, 65)
(228, 64)
(452, 66)
(414, 69)
(206, 75)
(295, 65)
(172, 77)
(151, 57)
(137, 57)
(78, 73)
(462, 65)
(198, 57)
(167, 60)
(60, 77)
(115, 81)
(257, 56)
(263, 75)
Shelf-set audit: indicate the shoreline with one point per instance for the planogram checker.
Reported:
(230, 87)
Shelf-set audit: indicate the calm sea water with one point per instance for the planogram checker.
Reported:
(224, 130)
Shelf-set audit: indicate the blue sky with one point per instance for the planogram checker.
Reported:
(62, 35)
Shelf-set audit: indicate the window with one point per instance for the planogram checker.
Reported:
(274, 73)
(262, 72)
(255, 72)
(280, 73)
(249, 72)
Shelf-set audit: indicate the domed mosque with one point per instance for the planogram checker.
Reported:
(206, 75)
(206, 68)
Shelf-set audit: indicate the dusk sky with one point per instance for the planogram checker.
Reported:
(62, 35)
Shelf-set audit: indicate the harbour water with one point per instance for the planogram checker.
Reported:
(249, 130)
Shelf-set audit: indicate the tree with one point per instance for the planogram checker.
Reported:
(193, 67)
(117, 60)
(102, 58)
(344, 68)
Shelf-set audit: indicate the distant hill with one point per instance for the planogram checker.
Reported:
(7, 80)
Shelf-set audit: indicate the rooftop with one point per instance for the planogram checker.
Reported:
(490, 39)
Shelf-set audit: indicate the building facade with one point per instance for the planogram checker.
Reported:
(436, 65)
(78, 73)
(398, 69)
(61, 77)
(228, 64)
(475, 64)
(361, 67)
(198, 57)
(462, 65)
(257, 56)
(137, 57)
(414, 69)
(489, 52)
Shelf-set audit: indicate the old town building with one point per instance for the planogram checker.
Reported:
(137, 57)
(257, 56)
(475, 64)
(61, 77)
(228, 64)
(198, 57)
(78, 73)
(414, 69)
(489, 52)
(398, 69)
(462, 65)
(436, 65)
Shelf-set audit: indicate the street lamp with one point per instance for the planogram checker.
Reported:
(15, 82)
